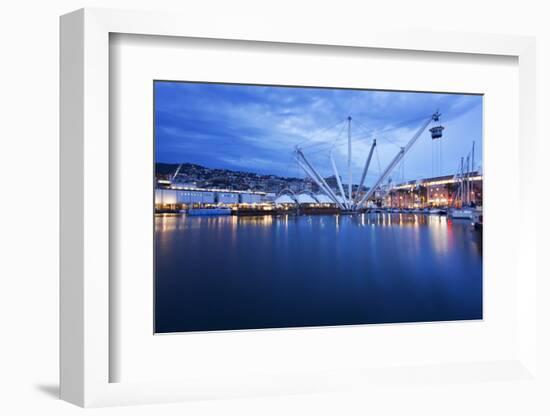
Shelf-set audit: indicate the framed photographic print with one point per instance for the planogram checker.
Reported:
(277, 212)
(274, 208)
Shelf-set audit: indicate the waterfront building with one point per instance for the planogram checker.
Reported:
(172, 197)
(226, 198)
(251, 198)
(437, 191)
(177, 197)
(285, 200)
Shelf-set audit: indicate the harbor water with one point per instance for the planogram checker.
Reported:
(238, 272)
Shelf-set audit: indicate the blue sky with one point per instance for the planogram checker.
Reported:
(256, 128)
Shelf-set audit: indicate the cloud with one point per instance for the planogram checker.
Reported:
(256, 128)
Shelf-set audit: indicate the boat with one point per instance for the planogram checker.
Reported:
(463, 198)
(461, 213)
(477, 218)
(437, 211)
(195, 212)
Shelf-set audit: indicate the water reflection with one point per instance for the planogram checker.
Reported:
(235, 272)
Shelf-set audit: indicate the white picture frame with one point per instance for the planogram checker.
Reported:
(85, 183)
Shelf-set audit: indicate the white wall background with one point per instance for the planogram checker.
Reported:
(29, 169)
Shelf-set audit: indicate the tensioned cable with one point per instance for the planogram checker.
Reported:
(396, 126)
(338, 137)
(432, 158)
(317, 133)
(440, 156)
(378, 159)
(329, 146)
(380, 134)
(400, 124)
(369, 132)
(326, 146)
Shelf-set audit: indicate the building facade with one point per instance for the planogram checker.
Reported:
(170, 199)
(442, 191)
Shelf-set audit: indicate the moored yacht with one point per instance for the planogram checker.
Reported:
(477, 218)
(461, 213)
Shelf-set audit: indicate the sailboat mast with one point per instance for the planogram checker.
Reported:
(349, 162)
(473, 158)
(468, 180)
(473, 170)
(461, 181)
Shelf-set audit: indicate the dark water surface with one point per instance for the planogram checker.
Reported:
(229, 272)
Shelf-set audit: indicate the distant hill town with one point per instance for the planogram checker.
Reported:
(199, 176)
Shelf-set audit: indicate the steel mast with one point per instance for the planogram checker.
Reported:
(398, 157)
(365, 170)
(176, 173)
(319, 180)
(338, 180)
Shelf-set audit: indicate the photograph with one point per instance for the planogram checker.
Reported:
(294, 206)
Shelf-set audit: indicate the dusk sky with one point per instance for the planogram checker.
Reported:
(256, 128)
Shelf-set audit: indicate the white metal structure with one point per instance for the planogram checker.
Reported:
(339, 182)
(323, 199)
(285, 199)
(176, 173)
(349, 202)
(305, 199)
(365, 170)
(318, 179)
